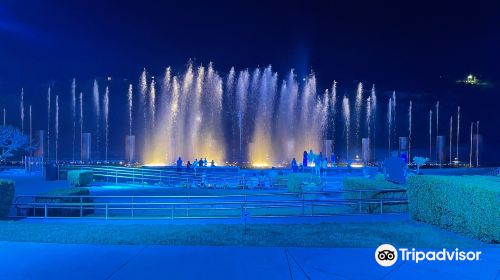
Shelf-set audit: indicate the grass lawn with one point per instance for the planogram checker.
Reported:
(364, 234)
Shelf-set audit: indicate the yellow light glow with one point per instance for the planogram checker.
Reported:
(155, 164)
(357, 165)
(260, 164)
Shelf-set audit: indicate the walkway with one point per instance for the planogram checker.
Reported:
(74, 261)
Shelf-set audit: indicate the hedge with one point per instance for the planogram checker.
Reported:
(7, 189)
(383, 190)
(67, 211)
(80, 178)
(296, 181)
(464, 204)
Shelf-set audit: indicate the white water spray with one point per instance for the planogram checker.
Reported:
(130, 107)
(430, 134)
(106, 120)
(451, 136)
(21, 109)
(73, 115)
(347, 121)
(458, 130)
(57, 127)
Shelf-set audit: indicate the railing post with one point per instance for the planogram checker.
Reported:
(312, 208)
(45, 211)
(116, 176)
(359, 201)
(381, 207)
(173, 209)
(81, 206)
(187, 210)
(132, 207)
(106, 211)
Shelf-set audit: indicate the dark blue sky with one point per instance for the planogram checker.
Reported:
(395, 43)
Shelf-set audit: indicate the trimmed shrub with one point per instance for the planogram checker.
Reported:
(296, 181)
(7, 189)
(80, 178)
(382, 190)
(66, 211)
(464, 204)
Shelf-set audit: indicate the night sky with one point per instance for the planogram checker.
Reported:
(418, 49)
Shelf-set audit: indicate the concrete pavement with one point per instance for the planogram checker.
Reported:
(80, 261)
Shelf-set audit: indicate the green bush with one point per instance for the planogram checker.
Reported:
(296, 181)
(80, 178)
(67, 211)
(465, 204)
(382, 190)
(7, 189)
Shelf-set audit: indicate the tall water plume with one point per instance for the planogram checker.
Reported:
(130, 99)
(48, 124)
(333, 106)
(21, 109)
(458, 130)
(97, 112)
(73, 115)
(358, 106)
(451, 136)
(390, 107)
(347, 122)
(56, 127)
(241, 99)
(409, 130)
(430, 134)
(152, 103)
(106, 120)
(81, 126)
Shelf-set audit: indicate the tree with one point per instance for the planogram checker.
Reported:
(12, 140)
(419, 161)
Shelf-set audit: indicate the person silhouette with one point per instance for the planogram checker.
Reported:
(179, 164)
(304, 159)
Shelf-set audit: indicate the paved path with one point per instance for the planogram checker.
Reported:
(78, 261)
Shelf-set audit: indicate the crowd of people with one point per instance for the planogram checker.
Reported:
(202, 162)
(318, 161)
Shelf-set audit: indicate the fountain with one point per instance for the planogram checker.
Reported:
(451, 136)
(458, 130)
(73, 115)
(21, 109)
(31, 131)
(470, 153)
(409, 131)
(81, 126)
(390, 107)
(48, 124)
(106, 121)
(56, 127)
(347, 121)
(358, 104)
(97, 112)
(430, 134)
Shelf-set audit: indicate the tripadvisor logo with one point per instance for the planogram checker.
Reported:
(387, 255)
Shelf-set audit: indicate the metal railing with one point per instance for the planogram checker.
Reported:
(206, 177)
(314, 204)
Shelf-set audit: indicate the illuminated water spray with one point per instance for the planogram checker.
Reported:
(106, 120)
(241, 95)
(409, 130)
(451, 136)
(73, 115)
(389, 122)
(48, 124)
(347, 122)
(81, 126)
(430, 134)
(458, 130)
(130, 103)
(21, 109)
(56, 127)
(152, 103)
(358, 104)
(97, 111)
(333, 106)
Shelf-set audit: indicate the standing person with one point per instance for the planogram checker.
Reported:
(333, 159)
(195, 165)
(179, 164)
(304, 159)
(205, 162)
(317, 166)
(188, 166)
(294, 166)
(212, 164)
